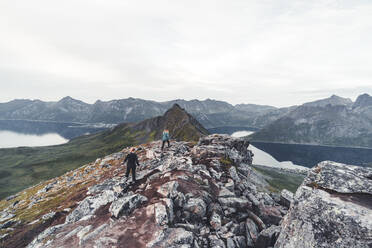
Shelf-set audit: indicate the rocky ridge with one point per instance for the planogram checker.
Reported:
(202, 194)
(196, 195)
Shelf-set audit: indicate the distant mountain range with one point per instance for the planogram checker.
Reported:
(210, 113)
(334, 121)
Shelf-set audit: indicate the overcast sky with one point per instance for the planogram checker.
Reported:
(275, 52)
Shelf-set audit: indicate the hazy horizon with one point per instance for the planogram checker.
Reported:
(279, 53)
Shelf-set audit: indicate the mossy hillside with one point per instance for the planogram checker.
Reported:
(279, 179)
(26, 166)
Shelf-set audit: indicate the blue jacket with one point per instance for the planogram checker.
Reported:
(165, 136)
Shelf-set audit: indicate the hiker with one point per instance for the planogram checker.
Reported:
(132, 162)
(165, 138)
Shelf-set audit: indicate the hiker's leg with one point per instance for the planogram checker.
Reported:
(168, 143)
(162, 146)
(134, 173)
(127, 172)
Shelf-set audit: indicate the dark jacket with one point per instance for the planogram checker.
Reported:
(132, 159)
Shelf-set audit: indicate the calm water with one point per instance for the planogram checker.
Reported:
(261, 157)
(305, 155)
(13, 139)
(15, 133)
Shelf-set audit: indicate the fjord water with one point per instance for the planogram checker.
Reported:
(266, 153)
(12, 139)
(16, 133)
(261, 157)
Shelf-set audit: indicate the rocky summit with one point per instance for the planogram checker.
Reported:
(203, 194)
(332, 208)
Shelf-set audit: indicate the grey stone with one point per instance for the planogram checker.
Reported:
(7, 224)
(161, 215)
(215, 221)
(169, 189)
(251, 232)
(172, 238)
(196, 207)
(286, 198)
(214, 241)
(48, 215)
(332, 208)
(92, 234)
(235, 202)
(126, 205)
(267, 237)
(224, 192)
(90, 205)
(47, 233)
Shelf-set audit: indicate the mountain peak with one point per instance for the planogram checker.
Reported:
(333, 100)
(363, 101)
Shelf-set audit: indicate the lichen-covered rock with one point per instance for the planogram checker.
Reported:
(235, 202)
(286, 198)
(126, 205)
(169, 189)
(332, 208)
(90, 205)
(267, 237)
(172, 238)
(214, 241)
(197, 207)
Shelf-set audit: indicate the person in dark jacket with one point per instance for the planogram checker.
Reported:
(132, 162)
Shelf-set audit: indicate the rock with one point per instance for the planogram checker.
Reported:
(48, 215)
(105, 242)
(180, 200)
(215, 221)
(234, 174)
(92, 234)
(286, 198)
(82, 233)
(169, 189)
(73, 232)
(235, 202)
(196, 207)
(267, 237)
(126, 205)
(98, 188)
(172, 238)
(230, 185)
(224, 192)
(215, 242)
(47, 188)
(270, 215)
(251, 232)
(332, 208)
(230, 243)
(89, 205)
(7, 224)
(4, 215)
(47, 233)
(9, 198)
(161, 215)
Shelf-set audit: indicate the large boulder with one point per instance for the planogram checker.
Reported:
(332, 208)
(126, 205)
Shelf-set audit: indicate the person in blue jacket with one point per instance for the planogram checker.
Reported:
(165, 138)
